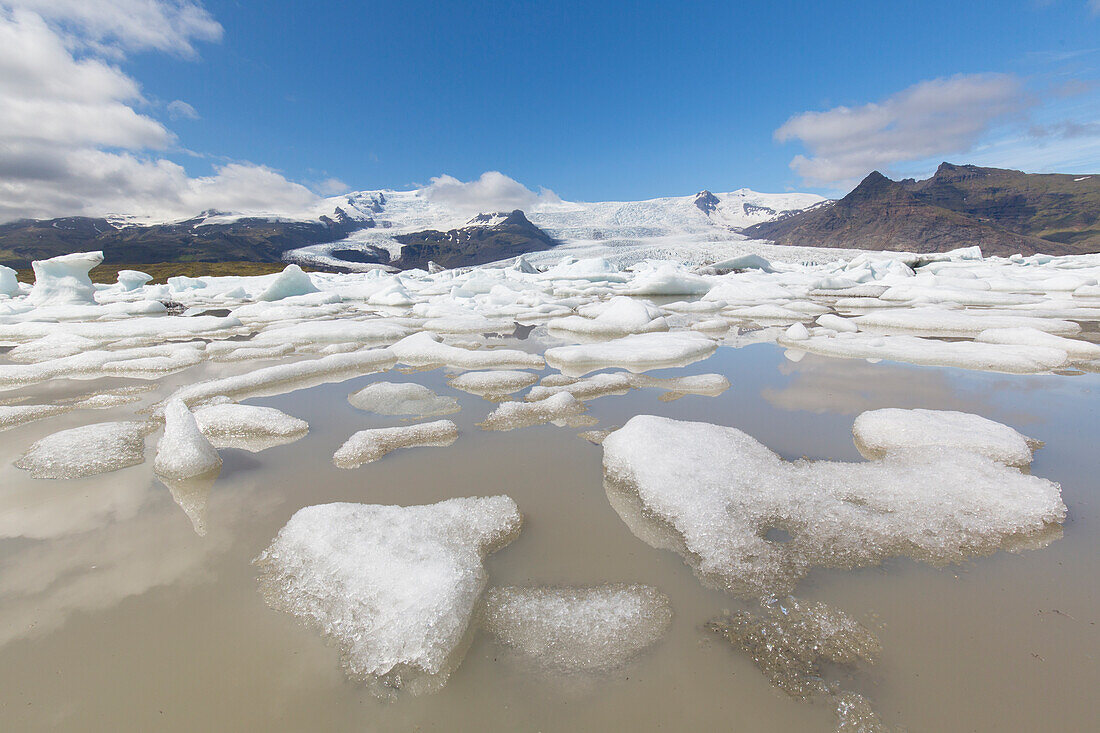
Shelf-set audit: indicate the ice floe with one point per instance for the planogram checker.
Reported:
(720, 495)
(591, 628)
(493, 385)
(402, 398)
(880, 432)
(369, 445)
(394, 587)
(636, 353)
(617, 317)
(426, 349)
(87, 450)
(562, 409)
(248, 427)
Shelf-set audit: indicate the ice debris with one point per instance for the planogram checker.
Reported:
(394, 587)
(594, 628)
(619, 316)
(426, 349)
(717, 496)
(792, 640)
(366, 446)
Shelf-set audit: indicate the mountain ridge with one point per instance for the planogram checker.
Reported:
(1003, 211)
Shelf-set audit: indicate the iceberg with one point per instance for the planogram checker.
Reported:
(87, 450)
(366, 446)
(183, 451)
(64, 280)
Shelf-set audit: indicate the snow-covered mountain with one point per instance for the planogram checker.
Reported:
(676, 227)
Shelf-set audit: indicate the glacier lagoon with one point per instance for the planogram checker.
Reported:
(132, 601)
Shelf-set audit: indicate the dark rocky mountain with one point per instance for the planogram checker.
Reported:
(485, 238)
(1002, 211)
(248, 239)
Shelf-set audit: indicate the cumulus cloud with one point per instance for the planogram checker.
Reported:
(178, 109)
(72, 138)
(493, 191)
(935, 118)
(113, 25)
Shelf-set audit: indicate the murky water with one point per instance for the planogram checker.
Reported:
(116, 615)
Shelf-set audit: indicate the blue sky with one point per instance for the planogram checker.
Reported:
(609, 100)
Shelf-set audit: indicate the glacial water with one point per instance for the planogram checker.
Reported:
(129, 605)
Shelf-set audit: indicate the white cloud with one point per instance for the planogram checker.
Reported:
(331, 187)
(935, 118)
(72, 138)
(179, 109)
(492, 192)
(163, 25)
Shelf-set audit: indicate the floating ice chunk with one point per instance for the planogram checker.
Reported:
(370, 445)
(160, 328)
(56, 345)
(637, 353)
(363, 333)
(12, 416)
(562, 409)
(837, 323)
(617, 383)
(595, 269)
(248, 427)
(942, 322)
(183, 283)
(426, 349)
(797, 332)
(176, 358)
(290, 282)
(1077, 349)
(668, 279)
(9, 282)
(718, 493)
(792, 641)
(578, 628)
(283, 378)
(402, 398)
(741, 262)
(183, 451)
(243, 351)
(394, 587)
(620, 315)
(64, 280)
(1013, 359)
(588, 388)
(493, 385)
(130, 280)
(87, 450)
(879, 432)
